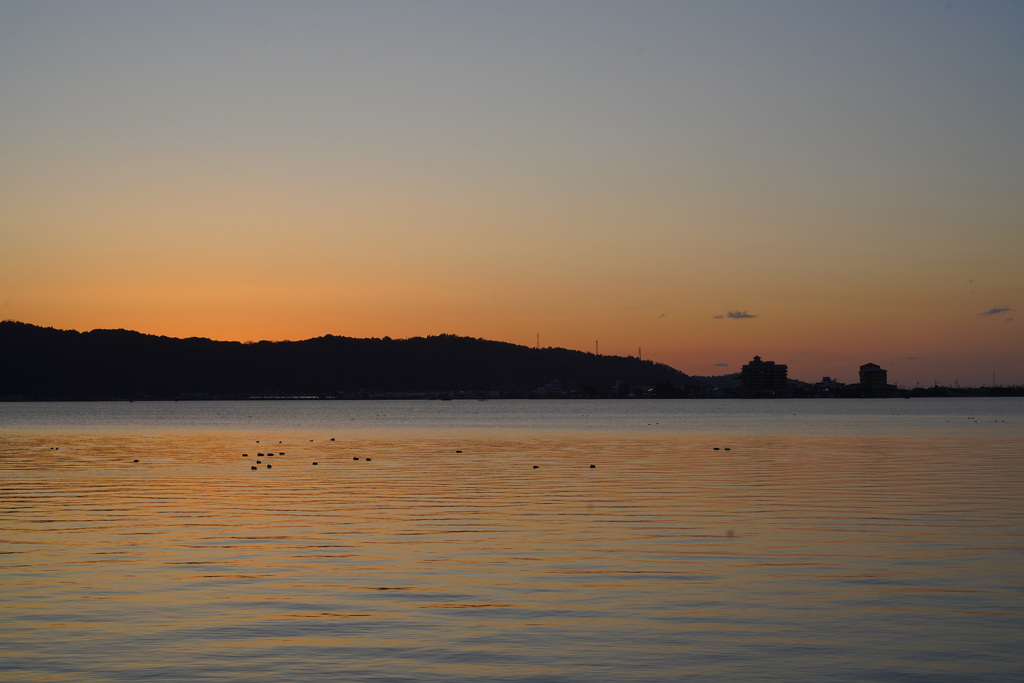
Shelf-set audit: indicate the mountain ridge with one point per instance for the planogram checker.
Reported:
(45, 363)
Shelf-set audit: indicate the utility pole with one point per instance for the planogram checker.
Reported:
(597, 348)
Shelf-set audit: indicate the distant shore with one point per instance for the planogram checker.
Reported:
(933, 392)
(47, 364)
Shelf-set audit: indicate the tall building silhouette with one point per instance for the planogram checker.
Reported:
(873, 379)
(763, 377)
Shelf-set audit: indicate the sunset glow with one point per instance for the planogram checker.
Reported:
(824, 185)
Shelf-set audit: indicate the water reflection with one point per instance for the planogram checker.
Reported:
(450, 557)
(854, 417)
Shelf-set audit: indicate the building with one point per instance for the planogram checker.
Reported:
(763, 377)
(873, 379)
(828, 387)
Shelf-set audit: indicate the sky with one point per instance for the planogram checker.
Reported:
(823, 184)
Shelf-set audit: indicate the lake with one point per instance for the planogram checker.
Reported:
(513, 540)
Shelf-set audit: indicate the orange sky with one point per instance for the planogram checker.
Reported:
(848, 176)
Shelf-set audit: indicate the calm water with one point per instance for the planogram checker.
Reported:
(838, 540)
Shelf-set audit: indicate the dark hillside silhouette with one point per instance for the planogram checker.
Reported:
(38, 363)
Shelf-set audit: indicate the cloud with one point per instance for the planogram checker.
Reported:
(721, 365)
(739, 315)
(911, 358)
(996, 310)
(718, 316)
(662, 316)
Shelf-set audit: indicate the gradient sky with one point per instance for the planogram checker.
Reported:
(824, 184)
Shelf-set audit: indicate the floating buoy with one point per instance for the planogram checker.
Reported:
(355, 458)
(269, 466)
(134, 460)
(253, 467)
(316, 463)
(536, 467)
(593, 466)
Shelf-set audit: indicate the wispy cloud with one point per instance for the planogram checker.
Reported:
(721, 365)
(911, 358)
(662, 316)
(996, 310)
(739, 315)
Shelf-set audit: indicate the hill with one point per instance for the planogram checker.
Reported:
(38, 363)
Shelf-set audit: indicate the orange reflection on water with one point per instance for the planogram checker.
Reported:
(480, 542)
